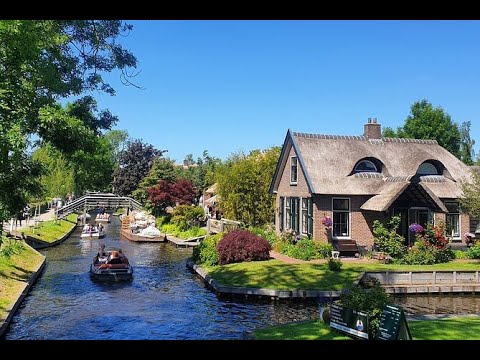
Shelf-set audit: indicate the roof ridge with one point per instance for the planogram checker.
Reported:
(361, 137)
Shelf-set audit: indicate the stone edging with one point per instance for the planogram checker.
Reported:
(272, 293)
(13, 309)
(40, 244)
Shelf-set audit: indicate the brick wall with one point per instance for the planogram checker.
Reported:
(360, 221)
(286, 189)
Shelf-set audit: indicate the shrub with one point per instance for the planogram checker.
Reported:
(288, 236)
(187, 216)
(324, 249)
(161, 220)
(266, 233)
(206, 253)
(431, 247)
(304, 249)
(11, 247)
(191, 233)
(459, 254)
(169, 229)
(334, 264)
(371, 300)
(242, 245)
(474, 252)
(387, 240)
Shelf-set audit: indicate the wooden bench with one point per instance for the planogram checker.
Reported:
(346, 247)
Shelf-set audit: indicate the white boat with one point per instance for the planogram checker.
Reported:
(92, 233)
(105, 217)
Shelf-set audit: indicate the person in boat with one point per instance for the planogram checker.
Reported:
(114, 258)
(101, 250)
(100, 227)
(122, 256)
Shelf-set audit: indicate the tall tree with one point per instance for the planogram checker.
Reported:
(41, 62)
(57, 177)
(243, 186)
(166, 194)
(427, 122)
(470, 200)
(135, 163)
(162, 169)
(118, 140)
(467, 152)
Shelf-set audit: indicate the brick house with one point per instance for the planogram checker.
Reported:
(355, 180)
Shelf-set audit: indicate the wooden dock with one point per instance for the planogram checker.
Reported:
(184, 243)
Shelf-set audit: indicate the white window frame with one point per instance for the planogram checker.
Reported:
(291, 165)
(365, 171)
(459, 237)
(349, 227)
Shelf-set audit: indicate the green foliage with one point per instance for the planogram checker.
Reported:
(266, 232)
(303, 250)
(371, 300)
(470, 200)
(387, 240)
(427, 122)
(135, 163)
(324, 249)
(10, 247)
(117, 140)
(334, 264)
(206, 253)
(57, 177)
(459, 254)
(474, 252)
(187, 216)
(182, 234)
(243, 185)
(161, 220)
(467, 152)
(162, 169)
(42, 61)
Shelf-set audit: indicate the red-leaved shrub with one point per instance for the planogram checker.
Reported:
(242, 245)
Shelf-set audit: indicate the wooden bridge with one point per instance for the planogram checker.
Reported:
(97, 200)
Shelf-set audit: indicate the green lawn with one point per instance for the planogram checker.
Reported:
(460, 328)
(50, 231)
(119, 211)
(274, 274)
(14, 272)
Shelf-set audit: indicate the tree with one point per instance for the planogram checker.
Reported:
(135, 163)
(467, 153)
(57, 177)
(243, 186)
(117, 140)
(427, 122)
(85, 109)
(162, 169)
(41, 62)
(470, 200)
(166, 194)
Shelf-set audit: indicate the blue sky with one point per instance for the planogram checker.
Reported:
(227, 86)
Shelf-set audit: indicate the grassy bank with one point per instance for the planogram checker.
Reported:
(274, 274)
(14, 273)
(50, 231)
(459, 328)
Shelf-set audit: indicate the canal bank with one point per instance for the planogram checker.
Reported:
(19, 274)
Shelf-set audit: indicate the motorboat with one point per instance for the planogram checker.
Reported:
(111, 266)
(92, 232)
(104, 217)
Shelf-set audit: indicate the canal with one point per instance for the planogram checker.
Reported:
(164, 300)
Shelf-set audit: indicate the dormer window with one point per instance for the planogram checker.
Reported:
(365, 166)
(293, 170)
(427, 169)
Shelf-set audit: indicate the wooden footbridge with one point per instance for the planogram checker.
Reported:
(97, 200)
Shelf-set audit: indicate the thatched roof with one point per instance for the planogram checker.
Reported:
(328, 162)
(212, 189)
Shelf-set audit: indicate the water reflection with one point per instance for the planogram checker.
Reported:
(164, 300)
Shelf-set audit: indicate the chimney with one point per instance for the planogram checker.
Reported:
(372, 130)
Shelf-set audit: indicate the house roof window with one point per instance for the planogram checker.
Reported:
(427, 169)
(365, 166)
